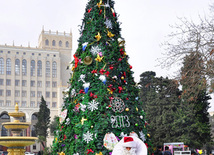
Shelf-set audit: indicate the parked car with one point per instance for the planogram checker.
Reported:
(29, 153)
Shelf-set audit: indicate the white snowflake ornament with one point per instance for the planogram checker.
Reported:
(87, 137)
(95, 50)
(93, 105)
(142, 136)
(108, 24)
(82, 107)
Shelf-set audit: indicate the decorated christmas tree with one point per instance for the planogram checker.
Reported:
(101, 103)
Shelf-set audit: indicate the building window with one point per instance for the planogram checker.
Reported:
(1, 103)
(54, 94)
(8, 92)
(1, 51)
(34, 135)
(1, 92)
(32, 68)
(24, 83)
(67, 44)
(8, 52)
(32, 104)
(1, 66)
(38, 104)
(1, 82)
(17, 82)
(17, 52)
(39, 94)
(60, 43)
(8, 66)
(47, 42)
(39, 83)
(24, 67)
(8, 103)
(24, 104)
(48, 69)
(54, 84)
(17, 66)
(24, 53)
(39, 54)
(32, 93)
(24, 93)
(53, 43)
(47, 84)
(54, 69)
(8, 82)
(47, 94)
(54, 104)
(39, 68)
(32, 53)
(17, 93)
(32, 83)
(48, 104)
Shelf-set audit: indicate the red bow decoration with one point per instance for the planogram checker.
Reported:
(90, 151)
(94, 71)
(76, 61)
(146, 145)
(111, 98)
(114, 14)
(107, 73)
(82, 91)
(100, 11)
(111, 67)
(102, 71)
(120, 89)
(110, 86)
(124, 74)
(64, 137)
(93, 95)
(89, 10)
(121, 51)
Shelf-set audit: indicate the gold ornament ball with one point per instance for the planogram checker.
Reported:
(122, 77)
(148, 135)
(127, 109)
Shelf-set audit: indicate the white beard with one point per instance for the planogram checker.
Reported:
(129, 152)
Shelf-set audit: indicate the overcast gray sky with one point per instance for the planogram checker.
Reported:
(145, 23)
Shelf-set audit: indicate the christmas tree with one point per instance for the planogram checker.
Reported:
(101, 103)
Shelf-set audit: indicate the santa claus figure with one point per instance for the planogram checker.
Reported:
(130, 145)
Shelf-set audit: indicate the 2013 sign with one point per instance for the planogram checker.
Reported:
(120, 121)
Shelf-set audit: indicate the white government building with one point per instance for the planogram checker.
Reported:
(28, 73)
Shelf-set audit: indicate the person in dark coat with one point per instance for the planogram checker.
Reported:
(158, 150)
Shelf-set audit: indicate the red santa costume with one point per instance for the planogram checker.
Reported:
(137, 147)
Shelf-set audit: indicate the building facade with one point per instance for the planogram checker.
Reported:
(27, 74)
